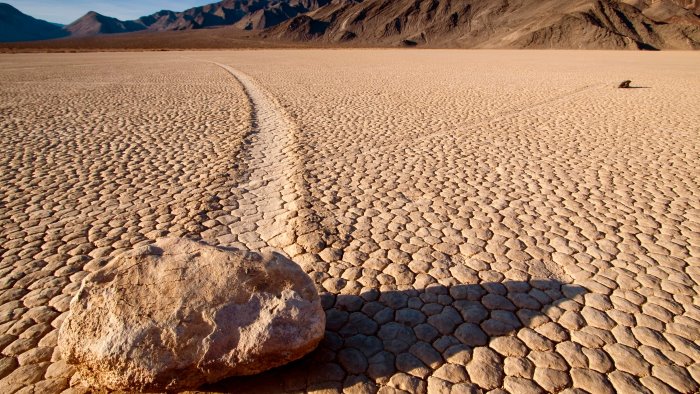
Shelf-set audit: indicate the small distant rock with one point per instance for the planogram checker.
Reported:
(179, 314)
(625, 84)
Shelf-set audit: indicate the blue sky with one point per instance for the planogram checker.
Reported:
(66, 11)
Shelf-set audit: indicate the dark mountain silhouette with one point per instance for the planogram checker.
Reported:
(16, 26)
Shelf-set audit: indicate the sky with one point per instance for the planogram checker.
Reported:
(66, 11)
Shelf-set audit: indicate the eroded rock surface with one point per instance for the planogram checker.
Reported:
(179, 313)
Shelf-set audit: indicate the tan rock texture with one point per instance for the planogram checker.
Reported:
(180, 313)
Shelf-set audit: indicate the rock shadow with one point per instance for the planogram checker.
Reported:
(375, 335)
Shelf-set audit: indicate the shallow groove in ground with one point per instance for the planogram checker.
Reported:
(477, 126)
(268, 188)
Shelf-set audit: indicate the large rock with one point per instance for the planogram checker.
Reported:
(179, 314)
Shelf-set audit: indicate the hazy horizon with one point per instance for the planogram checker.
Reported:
(67, 11)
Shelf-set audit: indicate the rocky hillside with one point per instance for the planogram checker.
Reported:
(17, 26)
(600, 24)
(586, 24)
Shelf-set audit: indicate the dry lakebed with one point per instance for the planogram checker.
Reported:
(473, 221)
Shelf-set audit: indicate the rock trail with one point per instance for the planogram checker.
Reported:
(551, 250)
(433, 220)
(96, 161)
(500, 116)
(268, 189)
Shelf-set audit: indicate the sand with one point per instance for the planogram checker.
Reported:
(475, 219)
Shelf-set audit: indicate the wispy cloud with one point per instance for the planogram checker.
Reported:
(66, 11)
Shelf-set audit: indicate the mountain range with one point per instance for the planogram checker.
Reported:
(242, 14)
(590, 24)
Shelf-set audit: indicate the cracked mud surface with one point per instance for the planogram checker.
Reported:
(476, 221)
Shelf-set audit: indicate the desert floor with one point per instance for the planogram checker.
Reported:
(475, 220)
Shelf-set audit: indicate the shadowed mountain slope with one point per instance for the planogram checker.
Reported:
(575, 24)
(17, 26)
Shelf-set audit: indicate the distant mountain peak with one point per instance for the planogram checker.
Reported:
(95, 15)
(93, 23)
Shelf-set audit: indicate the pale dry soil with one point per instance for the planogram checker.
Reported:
(476, 221)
